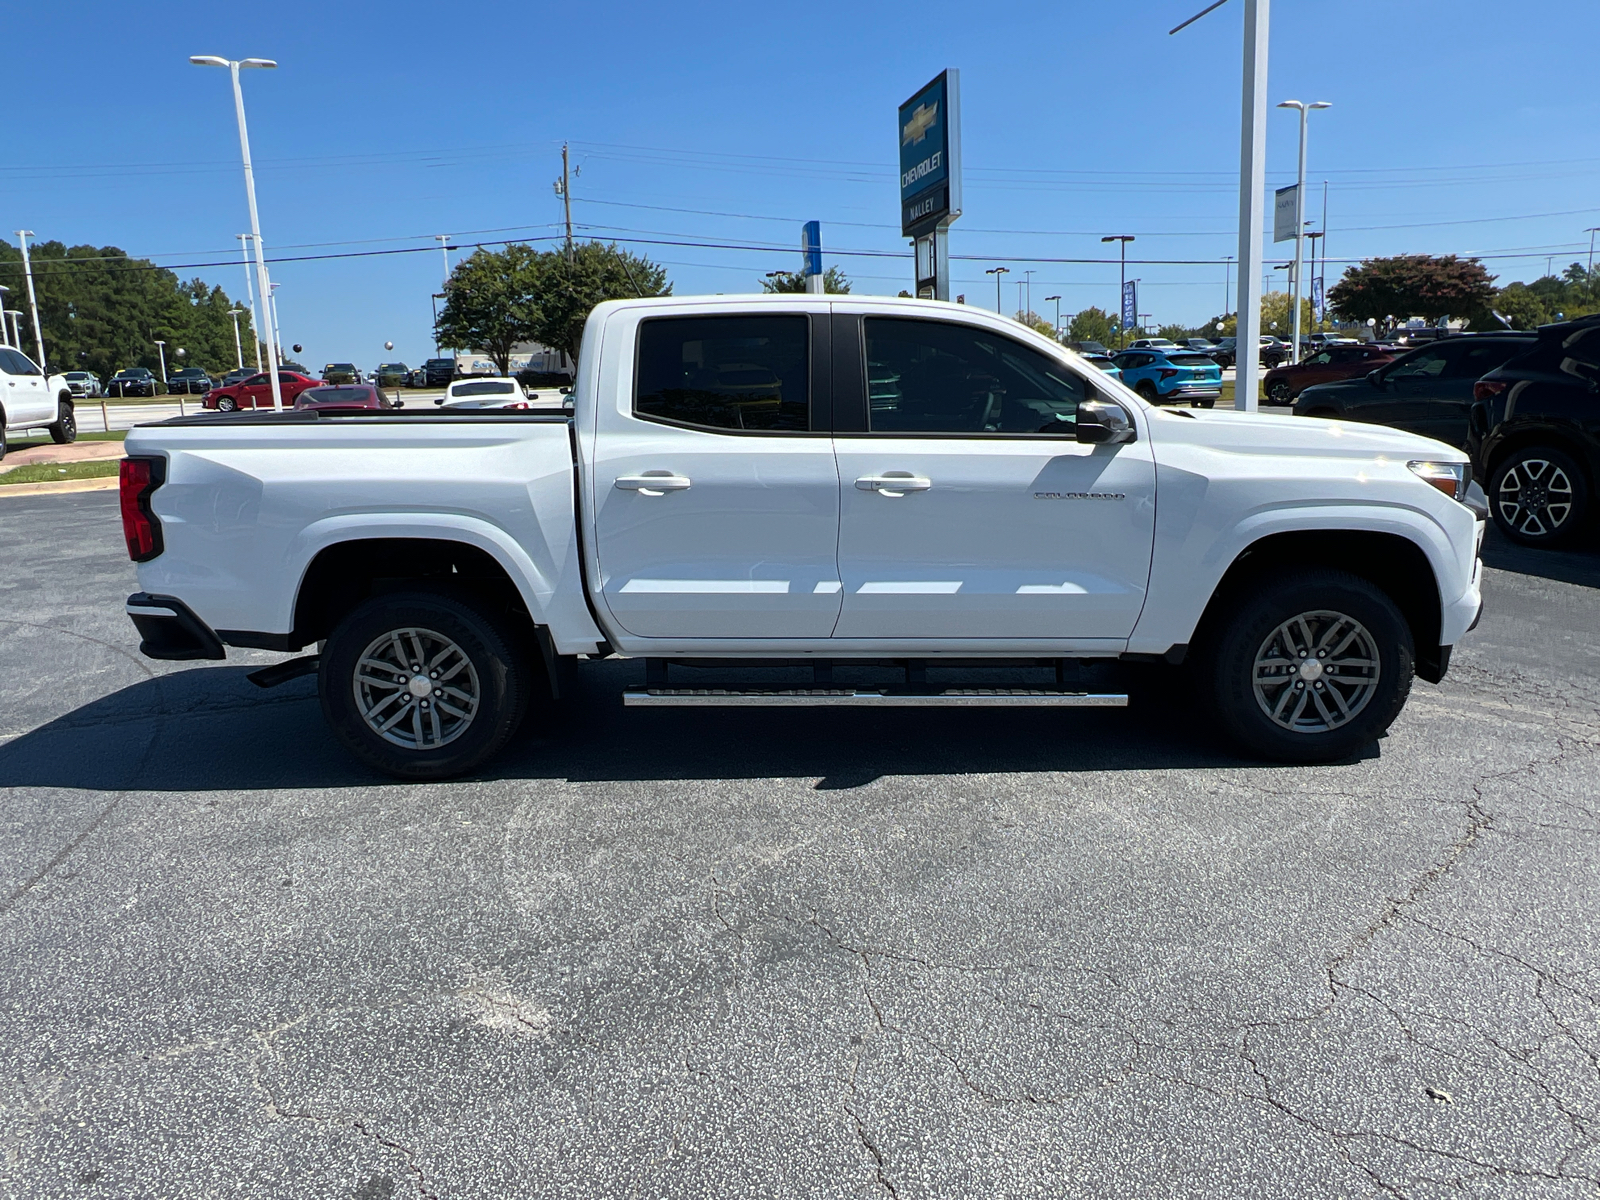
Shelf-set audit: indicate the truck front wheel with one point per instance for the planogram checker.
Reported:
(421, 685)
(1315, 665)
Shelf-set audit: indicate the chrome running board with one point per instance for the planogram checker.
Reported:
(873, 698)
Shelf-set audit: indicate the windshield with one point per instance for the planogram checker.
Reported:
(1190, 360)
(488, 387)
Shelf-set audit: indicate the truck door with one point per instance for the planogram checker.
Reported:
(714, 489)
(968, 508)
(27, 398)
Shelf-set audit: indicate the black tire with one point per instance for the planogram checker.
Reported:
(1280, 392)
(1539, 496)
(1350, 619)
(227, 404)
(4, 444)
(469, 645)
(1148, 390)
(1208, 403)
(65, 429)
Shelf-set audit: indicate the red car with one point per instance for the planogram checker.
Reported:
(1343, 360)
(256, 391)
(335, 397)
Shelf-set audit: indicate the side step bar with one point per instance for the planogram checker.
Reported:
(648, 697)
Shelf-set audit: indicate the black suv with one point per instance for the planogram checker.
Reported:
(438, 372)
(1534, 434)
(1427, 390)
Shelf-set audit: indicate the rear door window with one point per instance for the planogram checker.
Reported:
(730, 374)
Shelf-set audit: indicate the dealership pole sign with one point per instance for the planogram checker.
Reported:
(1286, 213)
(930, 177)
(1130, 304)
(811, 255)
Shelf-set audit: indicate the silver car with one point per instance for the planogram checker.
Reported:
(85, 384)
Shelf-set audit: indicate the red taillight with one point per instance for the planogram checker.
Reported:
(140, 477)
(1485, 388)
(1168, 372)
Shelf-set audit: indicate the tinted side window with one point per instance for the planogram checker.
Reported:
(942, 377)
(735, 373)
(19, 363)
(1477, 359)
(1425, 364)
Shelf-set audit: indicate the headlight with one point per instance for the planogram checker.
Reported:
(1451, 478)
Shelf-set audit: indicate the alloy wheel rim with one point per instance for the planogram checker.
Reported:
(1316, 672)
(1535, 497)
(416, 689)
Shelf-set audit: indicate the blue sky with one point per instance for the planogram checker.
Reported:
(1462, 127)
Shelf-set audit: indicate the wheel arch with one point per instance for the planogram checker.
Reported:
(1393, 563)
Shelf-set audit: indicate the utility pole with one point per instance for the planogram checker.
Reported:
(565, 189)
(33, 304)
(1589, 278)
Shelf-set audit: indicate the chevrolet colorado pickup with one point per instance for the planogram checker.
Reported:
(811, 482)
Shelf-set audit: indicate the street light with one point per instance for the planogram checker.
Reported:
(250, 295)
(1057, 299)
(238, 347)
(161, 349)
(33, 304)
(1124, 238)
(213, 60)
(1299, 208)
(1027, 307)
(999, 305)
(1591, 232)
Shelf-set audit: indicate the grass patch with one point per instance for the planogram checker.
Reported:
(54, 473)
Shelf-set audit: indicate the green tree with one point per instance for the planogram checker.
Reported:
(1522, 306)
(1277, 316)
(568, 289)
(1037, 323)
(1092, 325)
(101, 311)
(490, 302)
(1415, 285)
(834, 282)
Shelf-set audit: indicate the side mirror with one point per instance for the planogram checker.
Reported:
(1375, 377)
(1103, 423)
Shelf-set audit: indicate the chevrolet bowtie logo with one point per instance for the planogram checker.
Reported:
(922, 118)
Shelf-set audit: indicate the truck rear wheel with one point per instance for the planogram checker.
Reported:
(1314, 666)
(421, 685)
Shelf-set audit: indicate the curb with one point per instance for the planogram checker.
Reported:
(54, 488)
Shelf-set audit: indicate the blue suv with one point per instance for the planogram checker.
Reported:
(1172, 376)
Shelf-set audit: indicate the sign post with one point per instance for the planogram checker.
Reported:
(930, 178)
(1130, 304)
(811, 256)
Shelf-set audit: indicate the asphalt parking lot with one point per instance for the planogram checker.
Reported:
(768, 953)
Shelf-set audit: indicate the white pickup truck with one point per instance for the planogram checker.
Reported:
(823, 484)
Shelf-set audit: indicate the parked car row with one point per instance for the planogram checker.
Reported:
(1522, 405)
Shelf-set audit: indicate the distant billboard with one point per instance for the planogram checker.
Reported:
(930, 155)
(1286, 213)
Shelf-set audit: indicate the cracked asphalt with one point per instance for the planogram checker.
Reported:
(768, 953)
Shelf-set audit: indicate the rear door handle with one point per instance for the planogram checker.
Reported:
(894, 483)
(654, 483)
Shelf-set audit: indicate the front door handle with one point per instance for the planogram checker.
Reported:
(894, 483)
(654, 483)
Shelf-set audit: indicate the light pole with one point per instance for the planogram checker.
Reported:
(1027, 307)
(277, 332)
(161, 349)
(1122, 284)
(5, 328)
(1227, 278)
(33, 304)
(999, 305)
(250, 295)
(1312, 237)
(212, 60)
(444, 248)
(1590, 273)
(238, 347)
(1299, 210)
(1057, 299)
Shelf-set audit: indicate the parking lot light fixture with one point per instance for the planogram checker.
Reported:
(1057, 299)
(999, 305)
(1299, 232)
(161, 349)
(262, 286)
(1122, 283)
